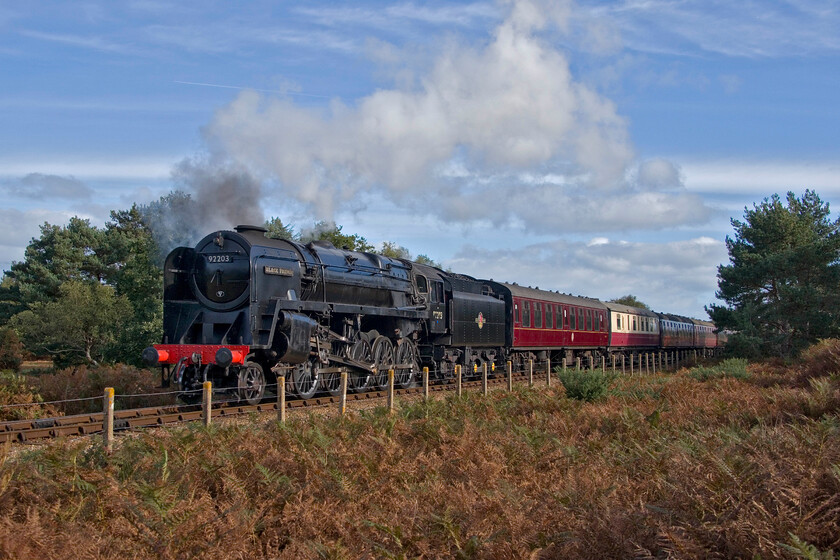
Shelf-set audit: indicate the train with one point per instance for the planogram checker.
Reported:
(240, 309)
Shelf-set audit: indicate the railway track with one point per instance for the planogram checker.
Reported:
(21, 431)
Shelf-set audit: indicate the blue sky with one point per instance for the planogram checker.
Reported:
(593, 147)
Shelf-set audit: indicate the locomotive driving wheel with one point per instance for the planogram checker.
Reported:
(331, 383)
(360, 380)
(305, 379)
(383, 359)
(251, 383)
(407, 360)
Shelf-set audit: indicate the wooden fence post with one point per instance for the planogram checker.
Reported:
(426, 383)
(390, 391)
(603, 364)
(510, 375)
(458, 380)
(548, 372)
(530, 373)
(632, 359)
(484, 379)
(343, 400)
(622, 365)
(577, 363)
(108, 419)
(613, 363)
(206, 400)
(281, 399)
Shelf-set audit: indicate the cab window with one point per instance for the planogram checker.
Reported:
(422, 285)
(437, 291)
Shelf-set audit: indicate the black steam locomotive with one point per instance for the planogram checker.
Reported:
(241, 307)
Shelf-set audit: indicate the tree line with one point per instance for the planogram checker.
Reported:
(84, 294)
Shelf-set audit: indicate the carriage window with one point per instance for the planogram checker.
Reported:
(618, 322)
(580, 319)
(422, 286)
(573, 317)
(549, 317)
(526, 314)
(589, 319)
(634, 323)
(566, 317)
(538, 315)
(516, 316)
(597, 321)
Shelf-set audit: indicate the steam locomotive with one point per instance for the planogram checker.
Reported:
(240, 307)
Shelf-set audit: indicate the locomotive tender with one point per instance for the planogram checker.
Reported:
(241, 307)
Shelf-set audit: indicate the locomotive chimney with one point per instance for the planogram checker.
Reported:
(245, 228)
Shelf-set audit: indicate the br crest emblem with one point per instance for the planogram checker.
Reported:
(480, 320)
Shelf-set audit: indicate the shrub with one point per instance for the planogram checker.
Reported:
(15, 390)
(89, 382)
(731, 367)
(11, 350)
(585, 386)
(821, 359)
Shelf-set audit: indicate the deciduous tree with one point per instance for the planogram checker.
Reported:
(630, 300)
(78, 327)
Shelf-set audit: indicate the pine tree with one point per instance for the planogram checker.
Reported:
(782, 286)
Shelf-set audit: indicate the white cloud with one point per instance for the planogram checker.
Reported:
(761, 178)
(80, 41)
(678, 277)
(750, 28)
(659, 174)
(40, 186)
(88, 168)
(464, 133)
